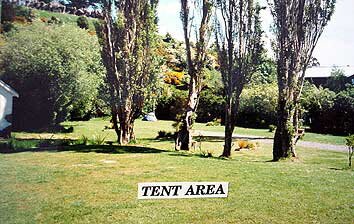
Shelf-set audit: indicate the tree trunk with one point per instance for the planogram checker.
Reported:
(115, 122)
(184, 136)
(229, 129)
(126, 132)
(284, 146)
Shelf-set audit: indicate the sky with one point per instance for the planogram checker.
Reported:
(335, 47)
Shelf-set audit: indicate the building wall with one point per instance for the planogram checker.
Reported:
(5, 109)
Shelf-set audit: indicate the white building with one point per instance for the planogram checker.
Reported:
(6, 105)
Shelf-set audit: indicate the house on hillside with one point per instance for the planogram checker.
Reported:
(6, 105)
(319, 76)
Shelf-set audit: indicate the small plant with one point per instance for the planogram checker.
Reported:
(164, 134)
(68, 130)
(272, 128)
(15, 144)
(83, 22)
(206, 153)
(243, 144)
(350, 144)
(215, 122)
(54, 20)
(98, 140)
(83, 140)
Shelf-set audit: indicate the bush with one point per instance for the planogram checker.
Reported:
(211, 106)
(83, 22)
(328, 112)
(243, 144)
(174, 77)
(171, 103)
(52, 75)
(8, 26)
(258, 106)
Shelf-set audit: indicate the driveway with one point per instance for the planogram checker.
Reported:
(266, 140)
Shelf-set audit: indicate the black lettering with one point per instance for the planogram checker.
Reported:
(220, 189)
(155, 191)
(210, 189)
(145, 189)
(200, 190)
(190, 191)
(166, 190)
(177, 188)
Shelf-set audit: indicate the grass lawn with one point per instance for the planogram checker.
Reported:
(98, 184)
(95, 127)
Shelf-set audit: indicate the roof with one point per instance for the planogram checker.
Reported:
(8, 89)
(323, 72)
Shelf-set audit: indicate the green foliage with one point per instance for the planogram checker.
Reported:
(98, 140)
(14, 144)
(328, 112)
(54, 20)
(8, 26)
(337, 81)
(272, 128)
(171, 103)
(215, 122)
(25, 12)
(266, 71)
(55, 69)
(258, 106)
(350, 141)
(83, 22)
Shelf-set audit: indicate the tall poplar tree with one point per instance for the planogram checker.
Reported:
(298, 25)
(128, 39)
(239, 45)
(192, 11)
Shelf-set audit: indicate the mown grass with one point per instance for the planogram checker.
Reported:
(99, 184)
(147, 130)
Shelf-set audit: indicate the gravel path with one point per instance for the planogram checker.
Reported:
(316, 145)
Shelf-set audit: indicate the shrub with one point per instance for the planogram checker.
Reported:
(170, 104)
(83, 22)
(328, 112)
(8, 26)
(243, 144)
(174, 77)
(258, 106)
(52, 75)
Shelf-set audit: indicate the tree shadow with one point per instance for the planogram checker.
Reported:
(60, 145)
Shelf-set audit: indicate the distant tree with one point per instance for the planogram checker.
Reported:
(128, 43)
(196, 62)
(239, 48)
(298, 25)
(53, 76)
(337, 81)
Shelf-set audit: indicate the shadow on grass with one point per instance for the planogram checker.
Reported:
(57, 145)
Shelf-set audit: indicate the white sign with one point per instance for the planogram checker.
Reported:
(170, 190)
